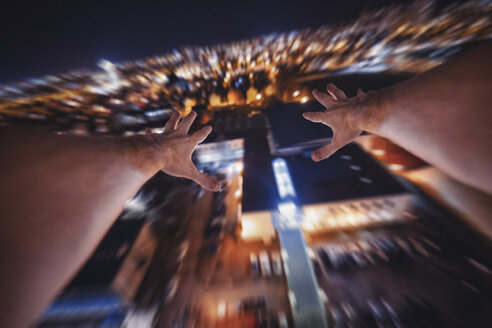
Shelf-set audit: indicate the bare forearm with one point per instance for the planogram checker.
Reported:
(59, 196)
(444, 116)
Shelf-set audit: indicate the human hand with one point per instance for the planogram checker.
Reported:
(172, 149)
(341, 115)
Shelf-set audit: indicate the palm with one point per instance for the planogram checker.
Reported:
(179, 147)
(339, 116)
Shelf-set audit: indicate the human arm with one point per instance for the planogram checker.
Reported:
(443, 116)
(59, 195)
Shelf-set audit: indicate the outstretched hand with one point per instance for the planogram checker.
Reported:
(340, 115)
(176, 147)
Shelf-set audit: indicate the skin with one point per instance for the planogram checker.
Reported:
(61, 194)
(443, 116)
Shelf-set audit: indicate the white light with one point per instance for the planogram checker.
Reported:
(282, 177)
(355, 167)
(323, 296)
(136, 204)
(106, 65)
(287, 209)
(238, 193)
(258, 96)
(238, 167)
(221, 309)
(396, 167)
(308, 226)
(249, 228)
(285, 255)
(304, 99)
(296, 93)
(292, 299)
(378, 152)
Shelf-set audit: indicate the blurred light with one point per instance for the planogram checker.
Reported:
(396, 167)
(256, 226)
(136, 203)
(378, 152)
(309, 226)
(249, 228)
(287, 209)
(284, 255)
(282, 177)
(158, 130)
(105, 65)
(311, 219)
(323, 296)
(238, 167)
(292, 299)
(221, 309)
(407, 38)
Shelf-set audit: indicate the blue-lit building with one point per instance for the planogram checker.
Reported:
(104, 289)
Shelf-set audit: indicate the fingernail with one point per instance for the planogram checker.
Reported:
(315, 157)
(217, 186)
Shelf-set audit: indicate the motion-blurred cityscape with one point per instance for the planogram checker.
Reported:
(353, 241)
(248, 75)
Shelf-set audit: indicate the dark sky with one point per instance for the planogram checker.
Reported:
(45, 36)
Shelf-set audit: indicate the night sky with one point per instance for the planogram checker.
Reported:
(44, 37)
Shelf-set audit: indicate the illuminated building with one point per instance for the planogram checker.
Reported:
(106, 286)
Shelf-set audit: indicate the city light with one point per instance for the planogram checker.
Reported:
(249, 228)
(106, 65)
(338, 216)
(283, 179)
(378, 152)
(137, 203)
(257, 226)
(396, 167)
(221, 309)
(238, 193)
(395, 39)
(238, 167)
(292, 299)
(288, 209)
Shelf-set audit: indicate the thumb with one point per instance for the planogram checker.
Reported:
(325, 151)
(313, 116)
(205, 180)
